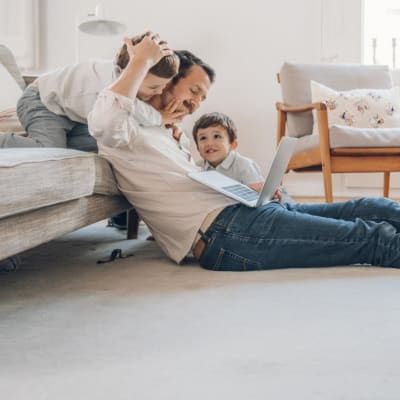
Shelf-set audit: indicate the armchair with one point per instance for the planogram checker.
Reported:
(332, 150)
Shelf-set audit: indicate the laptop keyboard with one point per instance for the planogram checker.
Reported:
(242, 191)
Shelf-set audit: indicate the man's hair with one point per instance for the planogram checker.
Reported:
(188, 60)
(215, 119)
(167, 67)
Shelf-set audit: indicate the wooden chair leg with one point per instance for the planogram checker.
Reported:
(133, 224)
(386, 183)
(327, 184)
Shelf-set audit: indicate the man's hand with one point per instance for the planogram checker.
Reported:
(151, 49)
(172, 113)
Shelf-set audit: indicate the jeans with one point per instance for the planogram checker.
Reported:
(282, 235)
(46, 129)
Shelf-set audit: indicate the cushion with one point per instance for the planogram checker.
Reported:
(346, 136)
(10, 92)
(295, 84)
(359, 108)
(32, 178)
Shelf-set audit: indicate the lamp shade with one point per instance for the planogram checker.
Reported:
(97, 24)
(100, 26)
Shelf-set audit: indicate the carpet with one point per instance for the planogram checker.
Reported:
(143, 328)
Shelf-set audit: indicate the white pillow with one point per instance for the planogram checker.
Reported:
(358, 108)
(10, 91)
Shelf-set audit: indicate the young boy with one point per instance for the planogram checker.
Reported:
(53, 110)
(215, 135)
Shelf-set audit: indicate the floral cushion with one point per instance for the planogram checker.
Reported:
(359, 108)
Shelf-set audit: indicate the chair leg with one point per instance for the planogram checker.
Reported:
(133, 224)
(386, 183)
(327, 184)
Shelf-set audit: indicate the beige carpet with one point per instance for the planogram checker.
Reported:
(144, 328)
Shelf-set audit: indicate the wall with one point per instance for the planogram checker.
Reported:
(246, 42)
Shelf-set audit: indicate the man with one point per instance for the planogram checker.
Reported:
(152, 172)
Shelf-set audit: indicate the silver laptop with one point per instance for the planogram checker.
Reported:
(242, 193)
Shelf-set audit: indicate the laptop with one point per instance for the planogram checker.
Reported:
(242, 193)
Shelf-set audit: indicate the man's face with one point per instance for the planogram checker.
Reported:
(190, 91)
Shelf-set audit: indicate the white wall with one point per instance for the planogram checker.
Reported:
(246, 42)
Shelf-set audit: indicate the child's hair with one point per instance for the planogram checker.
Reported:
(167, 67)
(215, 119)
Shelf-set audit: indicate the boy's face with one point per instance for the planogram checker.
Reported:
(213, 144)
(151, 86)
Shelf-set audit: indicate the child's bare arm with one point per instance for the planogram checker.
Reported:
(256, 186)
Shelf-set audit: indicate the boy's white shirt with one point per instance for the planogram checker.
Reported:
(237, 167)
(72, 91)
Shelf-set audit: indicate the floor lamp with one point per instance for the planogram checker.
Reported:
(96, 24)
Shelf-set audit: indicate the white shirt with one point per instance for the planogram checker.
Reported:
(152, 172)
(72, 90)
(237, 167)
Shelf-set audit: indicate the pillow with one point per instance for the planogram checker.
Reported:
(10, 92)
(358, 108)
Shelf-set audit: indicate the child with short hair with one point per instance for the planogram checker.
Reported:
(215, 135)
(54, 108)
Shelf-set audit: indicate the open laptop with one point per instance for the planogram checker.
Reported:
(242, 193)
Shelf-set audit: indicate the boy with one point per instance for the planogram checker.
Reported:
(215, 135)
(53, 110)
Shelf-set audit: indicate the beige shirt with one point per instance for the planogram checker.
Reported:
(152, 171)
(72, 90)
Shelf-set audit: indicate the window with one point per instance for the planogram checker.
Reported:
(19, 30)
(382, 32)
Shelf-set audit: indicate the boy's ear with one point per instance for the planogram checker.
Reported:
(234, 144)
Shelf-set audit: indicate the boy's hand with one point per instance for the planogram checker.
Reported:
(171, 114)
(278, 195)
(151, 49)
(256, 186)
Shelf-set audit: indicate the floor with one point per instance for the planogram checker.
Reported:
(142, 327)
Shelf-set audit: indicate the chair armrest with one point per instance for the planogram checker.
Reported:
(301, 108)
(322, 118)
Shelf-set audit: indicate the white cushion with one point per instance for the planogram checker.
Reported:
(32, 178)
(346, 136)
(10, 92)
(359, 108)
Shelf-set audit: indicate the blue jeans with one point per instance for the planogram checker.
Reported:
(46, 129)
(276, 235)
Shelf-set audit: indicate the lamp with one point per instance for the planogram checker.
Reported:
(96, 24)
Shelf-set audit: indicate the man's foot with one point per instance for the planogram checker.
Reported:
(10, 264)
(119, 221)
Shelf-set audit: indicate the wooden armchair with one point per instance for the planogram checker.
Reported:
(316, 152)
